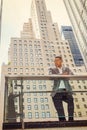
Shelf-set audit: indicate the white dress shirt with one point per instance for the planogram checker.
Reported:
(62, 85)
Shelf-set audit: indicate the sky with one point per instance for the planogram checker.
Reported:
(16, 12)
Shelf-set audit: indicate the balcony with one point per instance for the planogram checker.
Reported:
(28, 102)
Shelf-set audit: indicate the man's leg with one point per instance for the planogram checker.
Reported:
(57, 99)
(69, 100)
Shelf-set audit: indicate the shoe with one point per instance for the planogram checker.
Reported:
(62, 119)
(71, 119)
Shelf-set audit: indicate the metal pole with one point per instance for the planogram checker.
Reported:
(22, 104)
(21, 109)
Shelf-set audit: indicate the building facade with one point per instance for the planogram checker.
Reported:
(77, 11)
(33, 54)
(68, 34)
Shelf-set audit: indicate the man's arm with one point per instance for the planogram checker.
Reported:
(50, 71)
(67, 71)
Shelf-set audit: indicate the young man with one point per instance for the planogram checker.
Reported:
(62, 90)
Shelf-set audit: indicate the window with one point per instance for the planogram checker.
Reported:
(28, 94)
(43, 115)
(15, 69)
(85, 105)
(79, 114)
(26, 70)
(15, 45)
(21, 64)
(44, 86)
(29, 107)
(29, 115)
(9, 69)
(32, 69)
(20, 40)
(39, 81)
(85, 87)
(27, 81)
(41, 100)
(26, 59)
(48, 114)
(15, 87)
(45, 94)
(20, 45)
(81, 93)
(35, 94)
(75, 114)
(21, 59)
(46, 106)
(28, 86)
(33, 81)
(32, 64)
(46, 99)
(35, 100)
(73, 87)
(21, 70)
(26, 64)
(28, 100)
(76, 99)
(42, 107)
(36, 114)
(34, 87)
(83, 99)
(15, 50)
(79, 87)
(25, 44)
(40, 87)
(78, 107)
(86, 112)
(20, 50)
(41, 94)
(15, 54)
(15, 63)
(15, 59)
(36, 107)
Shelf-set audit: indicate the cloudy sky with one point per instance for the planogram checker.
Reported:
(16, 12)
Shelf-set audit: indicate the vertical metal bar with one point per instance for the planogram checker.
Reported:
(21, 104)
(5, 100)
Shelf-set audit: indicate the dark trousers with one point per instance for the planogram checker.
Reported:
(66, 97)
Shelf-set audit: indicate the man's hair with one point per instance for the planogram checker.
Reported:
(60, 57)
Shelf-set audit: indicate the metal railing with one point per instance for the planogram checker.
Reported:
(28, 98)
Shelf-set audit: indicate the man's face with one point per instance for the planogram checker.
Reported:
(58, 62)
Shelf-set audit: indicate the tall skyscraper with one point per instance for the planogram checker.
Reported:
(43, 26)
(33, 54)
(77, 11)
(68, 34)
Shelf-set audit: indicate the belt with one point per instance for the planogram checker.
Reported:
(63, 89)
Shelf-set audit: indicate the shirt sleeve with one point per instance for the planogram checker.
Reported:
(50, 71)
(70, 72)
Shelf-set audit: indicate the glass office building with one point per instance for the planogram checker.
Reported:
(77, 12)
(68, 34)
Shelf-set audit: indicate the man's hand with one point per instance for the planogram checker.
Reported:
(65, 73)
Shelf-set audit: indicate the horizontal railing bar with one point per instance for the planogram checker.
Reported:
(50, 91)
(48, 77)
(45, 125)
(47, 117)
